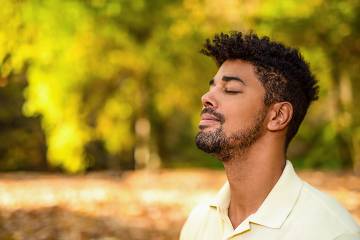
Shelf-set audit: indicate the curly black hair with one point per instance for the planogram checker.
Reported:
(281, 70)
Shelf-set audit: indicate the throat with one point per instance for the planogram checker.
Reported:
(237, 216)
(250, 182)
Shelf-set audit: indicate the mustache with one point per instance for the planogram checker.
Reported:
(211, 111)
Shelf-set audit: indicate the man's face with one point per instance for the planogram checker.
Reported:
(233, 110)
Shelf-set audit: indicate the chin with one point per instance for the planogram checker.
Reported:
(204, 128)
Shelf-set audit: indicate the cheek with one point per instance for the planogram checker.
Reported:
(236, 118)
(240, 116)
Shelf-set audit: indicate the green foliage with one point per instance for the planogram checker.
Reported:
(93, 69)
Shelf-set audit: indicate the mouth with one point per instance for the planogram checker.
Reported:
(208, 120)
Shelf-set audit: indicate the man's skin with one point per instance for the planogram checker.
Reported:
(253, 171)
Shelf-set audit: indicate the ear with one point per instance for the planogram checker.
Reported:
(280, 115)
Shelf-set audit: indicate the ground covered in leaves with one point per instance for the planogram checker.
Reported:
(124, 206)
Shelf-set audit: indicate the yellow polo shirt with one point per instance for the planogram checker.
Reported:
(293, 210)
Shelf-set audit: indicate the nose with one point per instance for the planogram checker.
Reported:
(208, 100)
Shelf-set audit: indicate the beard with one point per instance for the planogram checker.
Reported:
(224, 147)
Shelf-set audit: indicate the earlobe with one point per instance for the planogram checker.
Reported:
(280, 116)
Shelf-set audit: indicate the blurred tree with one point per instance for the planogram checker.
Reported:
(118, 83)
(22, 142)
(98, 72)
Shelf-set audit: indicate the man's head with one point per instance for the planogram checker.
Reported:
(261, 85)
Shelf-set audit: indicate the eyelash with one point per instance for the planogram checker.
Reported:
(231, 92)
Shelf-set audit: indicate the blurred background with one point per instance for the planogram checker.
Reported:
(100, 101)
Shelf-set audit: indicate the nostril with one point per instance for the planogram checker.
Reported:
(208, 104)
(208, 100)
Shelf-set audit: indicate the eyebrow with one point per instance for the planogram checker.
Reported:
(232, 78)
(227, 79)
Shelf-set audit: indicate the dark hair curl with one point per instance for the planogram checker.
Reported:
(282, 70)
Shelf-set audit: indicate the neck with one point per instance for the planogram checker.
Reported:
(251, 175)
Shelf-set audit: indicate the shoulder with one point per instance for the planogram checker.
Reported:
(348, 236)
(199, 212)
(324, 212)
(331, 208)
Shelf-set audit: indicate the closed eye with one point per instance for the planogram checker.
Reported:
(231, 91)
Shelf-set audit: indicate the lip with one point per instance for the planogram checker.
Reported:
(207, 117)
(208, 120)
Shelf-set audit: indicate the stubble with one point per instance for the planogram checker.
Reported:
(223, 147)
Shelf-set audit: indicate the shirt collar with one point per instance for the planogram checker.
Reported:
(276, 206)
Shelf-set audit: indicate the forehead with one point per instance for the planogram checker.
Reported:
(238, 68)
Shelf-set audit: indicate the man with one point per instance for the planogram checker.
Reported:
(253, 109)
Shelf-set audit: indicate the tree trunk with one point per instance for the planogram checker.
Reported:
(355, 111)
(343, 117)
